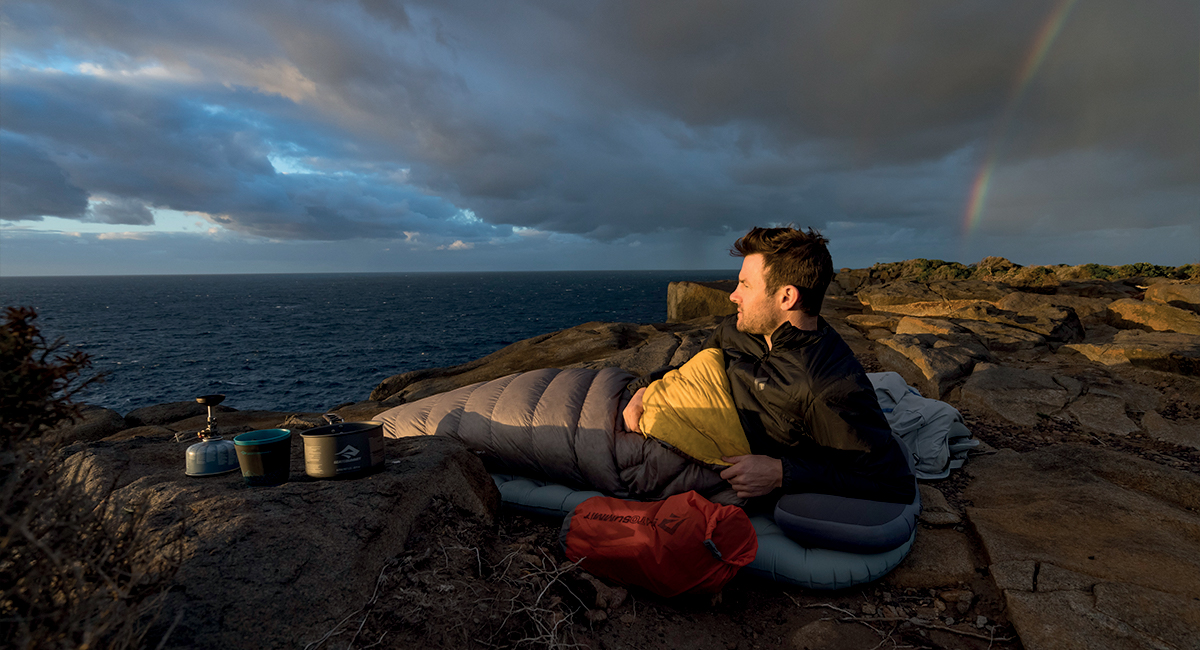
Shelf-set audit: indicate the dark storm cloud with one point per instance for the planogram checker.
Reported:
(142, 147)
(716, 114)
(33, 186)
(608, 120)
(902, 79)
(130, 212)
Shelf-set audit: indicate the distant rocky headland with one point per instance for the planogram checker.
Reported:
(998, 269)
(1076, 525)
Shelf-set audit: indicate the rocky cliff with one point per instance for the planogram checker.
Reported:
(1077, 524)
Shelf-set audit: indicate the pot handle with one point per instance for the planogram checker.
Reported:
(333, 418)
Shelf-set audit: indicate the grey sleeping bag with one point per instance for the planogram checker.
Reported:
(563, 426)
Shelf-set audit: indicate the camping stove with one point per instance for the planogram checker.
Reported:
(213, 454)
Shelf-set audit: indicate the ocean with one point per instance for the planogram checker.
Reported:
(309, 342)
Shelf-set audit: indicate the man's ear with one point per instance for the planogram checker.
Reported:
(789, 298)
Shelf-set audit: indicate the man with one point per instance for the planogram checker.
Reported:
(804, 401)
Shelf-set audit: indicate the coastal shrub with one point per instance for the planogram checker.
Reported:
(884, 271)
(924, 270)
(994, 266)
(1145, 270)
(1034, 276)
(1187, 272)
(39, 379)
(75, 572)
(918, 269)
(1000, 269)
(1097, 272)
(914, 268)
(986, 273)
(951, 271)
(1126, 271)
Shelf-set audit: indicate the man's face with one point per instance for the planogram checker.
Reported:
(758, 311)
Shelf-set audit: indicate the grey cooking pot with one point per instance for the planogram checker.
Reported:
(343, 449)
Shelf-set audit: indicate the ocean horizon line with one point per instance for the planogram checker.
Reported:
(732, 269)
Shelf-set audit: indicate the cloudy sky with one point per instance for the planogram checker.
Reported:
(147, 136)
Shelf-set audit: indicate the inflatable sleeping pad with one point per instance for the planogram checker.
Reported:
(846, 541)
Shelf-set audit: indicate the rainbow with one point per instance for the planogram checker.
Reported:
(1033, 62)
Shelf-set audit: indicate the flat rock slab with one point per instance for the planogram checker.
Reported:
(1165, 351)
(914, 325)
(278, 567)
(93, 423)
(868, 322)
(1056, 323)
(1020, 396)
(929, 309)
(1093, 548)
(1185, 433)
(940, 558)
(655, 353)
(580, 344)
(1003, 338)
(1102, 412)
(1110, 617)
(935, 511)
(1153, 315)
(1183, 296)
(1019, 301)
(930, 363)
(904, 292)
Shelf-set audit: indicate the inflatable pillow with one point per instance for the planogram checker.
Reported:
(692, 410)
(848, 524)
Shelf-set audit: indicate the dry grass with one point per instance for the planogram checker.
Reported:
(76, 571)
(462, 590)
(76, 574)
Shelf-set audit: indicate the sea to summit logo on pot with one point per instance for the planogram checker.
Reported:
(346, 455)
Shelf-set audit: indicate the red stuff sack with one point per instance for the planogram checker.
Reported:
(682, 544)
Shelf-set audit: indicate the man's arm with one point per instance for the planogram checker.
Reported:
(758, 475)
(753, 475)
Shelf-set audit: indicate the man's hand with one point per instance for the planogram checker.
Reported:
(633, 412)
(753, 476)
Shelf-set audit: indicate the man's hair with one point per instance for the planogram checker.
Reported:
(791, 257)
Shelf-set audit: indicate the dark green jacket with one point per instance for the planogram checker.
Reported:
(808, 402)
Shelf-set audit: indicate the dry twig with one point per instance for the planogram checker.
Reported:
(851, 617)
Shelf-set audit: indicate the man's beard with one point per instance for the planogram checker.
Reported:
(760, 323)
